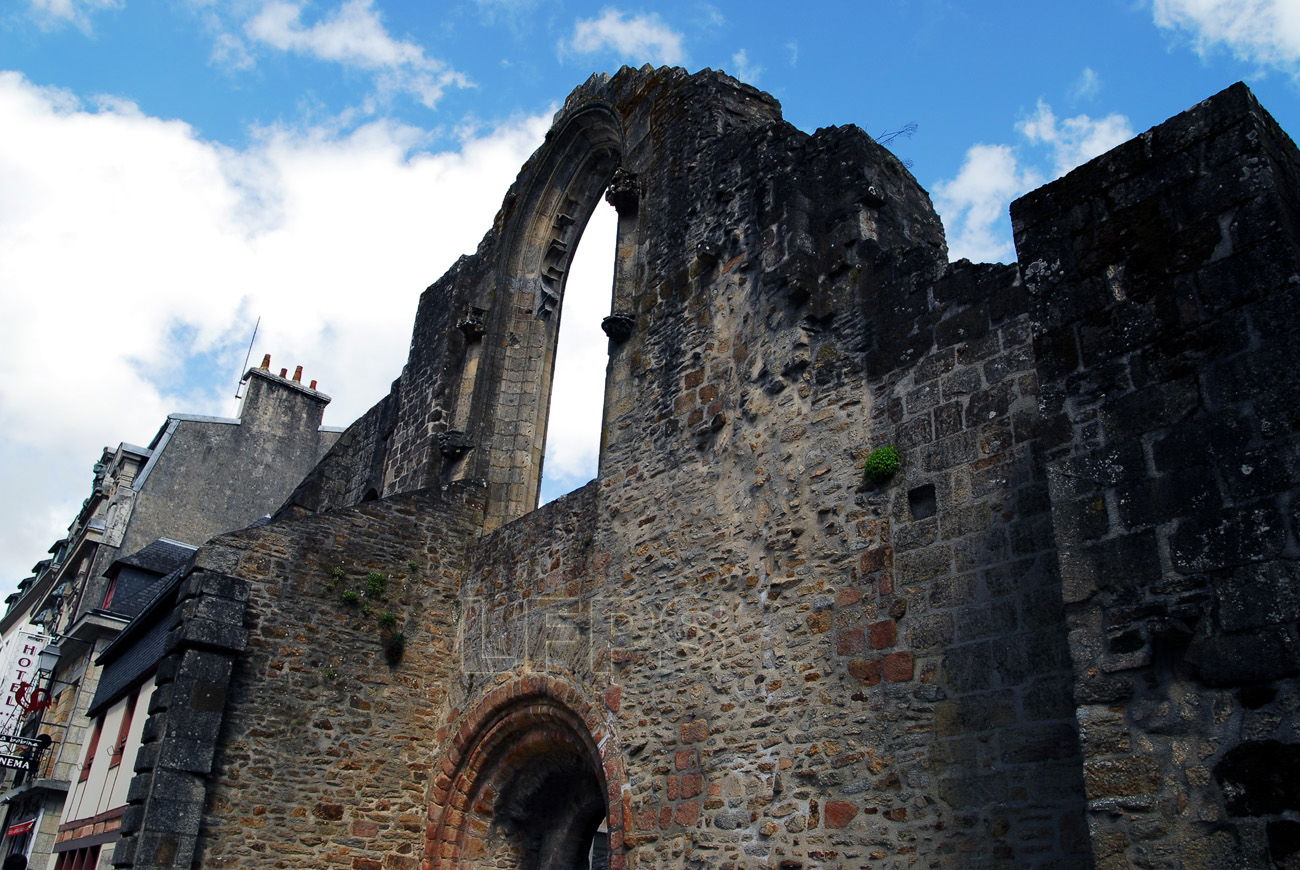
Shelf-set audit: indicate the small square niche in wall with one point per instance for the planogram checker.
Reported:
(922, 502)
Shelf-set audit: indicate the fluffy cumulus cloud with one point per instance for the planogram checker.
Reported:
(1265, 32)
(1074, 141)
(135, 257)
(634, 38)
(974, 204)
(353, 35)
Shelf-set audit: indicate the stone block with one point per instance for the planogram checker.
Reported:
(838, 814)
(1255, 596)
(1207, 542)
(191, 756)
(213, 635)
(1237, 659)
(1040, 744)
(1150, 409)
(919, 566)
(898, 667)
(1123, 777)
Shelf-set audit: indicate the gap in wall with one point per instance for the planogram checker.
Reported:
(578, 388)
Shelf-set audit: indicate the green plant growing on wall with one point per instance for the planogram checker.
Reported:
(882, 463)
(336, 572)
(413, 565)
(376, 589)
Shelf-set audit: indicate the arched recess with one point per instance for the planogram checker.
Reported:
(528, 779)
(506, 394)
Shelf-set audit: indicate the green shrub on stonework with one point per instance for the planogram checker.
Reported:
(350, 597)
(376, 585)
(387, 619)
(336, 572)
(883, 463)
(413, 565)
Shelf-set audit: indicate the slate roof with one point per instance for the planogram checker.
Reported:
(140, 645)
(161, 557)
(139, 576)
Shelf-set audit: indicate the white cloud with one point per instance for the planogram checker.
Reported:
(1265, 32)
(635, 38)
(1087, 86)
(743, 69)
(974, 204)
(355, 36)
(708, 15)
(231, 52)
(578, 394)
(132, 251)
(1076, 140)
(56, 13)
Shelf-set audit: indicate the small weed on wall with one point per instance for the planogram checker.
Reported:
(882, 464)
(363, 601)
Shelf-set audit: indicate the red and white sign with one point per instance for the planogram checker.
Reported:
(20, 828)
(18, 671)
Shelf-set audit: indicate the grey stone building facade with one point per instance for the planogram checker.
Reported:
(1063, 633)
(198, 477)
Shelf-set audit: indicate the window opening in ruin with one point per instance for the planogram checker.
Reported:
(578, 385)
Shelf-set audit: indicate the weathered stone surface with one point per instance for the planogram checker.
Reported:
(1169, 495)
(1041, 644)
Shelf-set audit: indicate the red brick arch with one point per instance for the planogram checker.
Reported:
(529, 723)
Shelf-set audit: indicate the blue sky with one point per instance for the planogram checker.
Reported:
(171, 171)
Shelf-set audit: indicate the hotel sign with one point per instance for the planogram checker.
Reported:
(18, 671)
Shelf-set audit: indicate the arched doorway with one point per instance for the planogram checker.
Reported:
(524, 786)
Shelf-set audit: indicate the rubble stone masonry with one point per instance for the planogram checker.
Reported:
(1062, 635)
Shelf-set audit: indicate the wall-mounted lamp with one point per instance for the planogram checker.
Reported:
(48, 658)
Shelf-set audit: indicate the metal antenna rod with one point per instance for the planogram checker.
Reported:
(247, 356)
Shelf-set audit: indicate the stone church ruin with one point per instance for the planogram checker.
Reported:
(1062, 634)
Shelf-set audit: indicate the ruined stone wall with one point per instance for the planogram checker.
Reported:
(287, 730)
(973, 570)
(352, 470)
(784, 686)
(1164, 277)
(732, 645)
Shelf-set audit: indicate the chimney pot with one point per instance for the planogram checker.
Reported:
(266, 362)
(284, 373)
(297, 375)
(313, 385)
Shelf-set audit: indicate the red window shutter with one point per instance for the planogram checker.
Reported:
(123, 730)
(91, 749)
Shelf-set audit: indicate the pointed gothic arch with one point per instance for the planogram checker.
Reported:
(506, 379)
